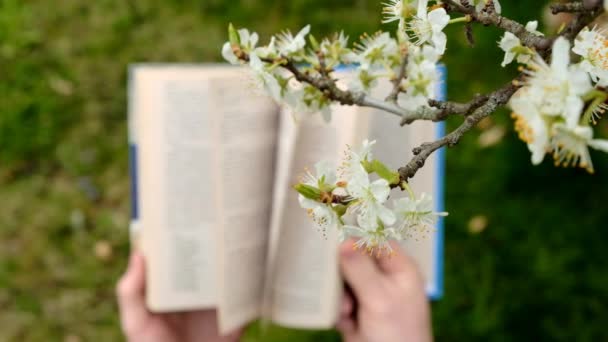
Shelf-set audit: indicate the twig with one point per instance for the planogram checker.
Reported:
(593, 10)
(492, 18)
(498, 98)
(468, 32)
(447, 108)
(568, 7)
(397, 81)
(329, 88)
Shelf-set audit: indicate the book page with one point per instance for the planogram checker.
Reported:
(287, 134)
(305, 286)
(247, 149)
(177, 166)
(393, 147)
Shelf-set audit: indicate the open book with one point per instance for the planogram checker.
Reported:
(213, 163)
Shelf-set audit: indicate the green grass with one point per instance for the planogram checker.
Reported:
(537, 271)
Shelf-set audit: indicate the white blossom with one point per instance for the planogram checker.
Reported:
(325, 175)
(376, 241)
(288, 45)
(336, 51)
(513, 47)
(423, 76)
(592, 46)
(398, 10)
(364, 80)
(351, 164)
(571, 146)
(248, 41)
(265, 79)
(393, 11)
(427, 27)
(531, 126)
(532, 27)
(558, 86)
(416, 216)
(322, 214)
(480, 5)
(306, 99)
(373, 50)
(368, 201)
(268, 51)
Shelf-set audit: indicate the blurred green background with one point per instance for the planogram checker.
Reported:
(524, 245)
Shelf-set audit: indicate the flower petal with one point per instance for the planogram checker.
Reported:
(228, 54)
(440, 41)
(561, 56)
(600, 145)
(573, 109)
(386, 215)
(380, 189)
(439, 19)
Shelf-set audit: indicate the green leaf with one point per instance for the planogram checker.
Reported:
(233, 36)
(384, 172)
(308, 191)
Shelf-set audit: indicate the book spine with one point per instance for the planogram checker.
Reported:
(436, 290)
(133, 155)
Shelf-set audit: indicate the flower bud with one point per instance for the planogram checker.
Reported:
(340, 209)
(308, 191)
(314, 43)
(233, 36)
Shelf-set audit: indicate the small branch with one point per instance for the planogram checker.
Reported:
(498, 98)
(492, 18)
(591, 4)
(458, 6)
(449, 108)
(397, 81)
(593, 9)
(329, 88)
(468, 32)
(568, 7)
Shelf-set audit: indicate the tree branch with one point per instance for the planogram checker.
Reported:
(498, 98)
(593, 9)
(329, 88)
(568, 7)
(397, 81)
(492, 18)
(484, 105)
(448, 108)
(473, 111)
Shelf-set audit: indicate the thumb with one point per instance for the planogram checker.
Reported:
(398, 263)
(131, 294)
(360, 272)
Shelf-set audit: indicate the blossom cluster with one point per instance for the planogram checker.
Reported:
(349, 201)
(558, 102)
(419, 42)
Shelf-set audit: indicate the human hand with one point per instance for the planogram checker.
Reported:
(391, 304)
(141, 325)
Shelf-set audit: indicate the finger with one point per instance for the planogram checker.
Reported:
(346, 309)
(360, 272)
(130, 292)
(397, 263)
(348, 328)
